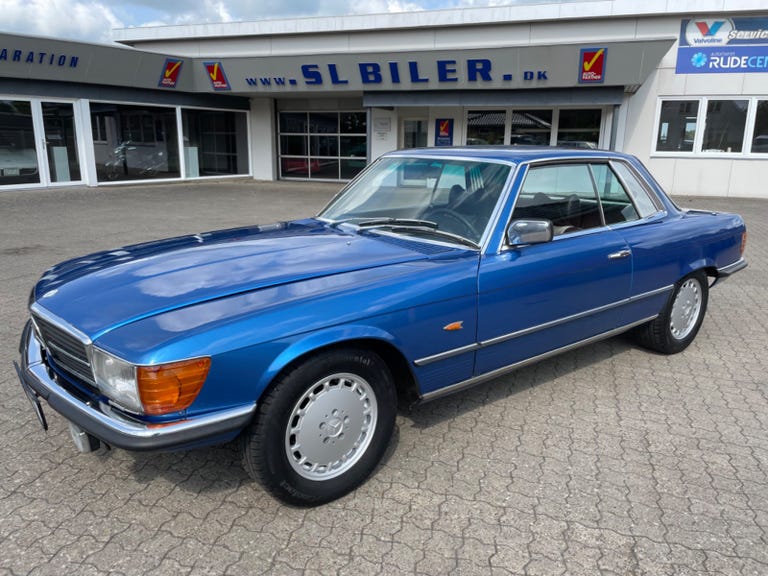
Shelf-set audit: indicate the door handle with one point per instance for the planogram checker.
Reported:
(620, 254)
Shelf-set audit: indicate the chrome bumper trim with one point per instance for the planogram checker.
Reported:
(740, 264)
(118, 431)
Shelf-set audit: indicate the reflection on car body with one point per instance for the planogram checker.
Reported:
(433, 271)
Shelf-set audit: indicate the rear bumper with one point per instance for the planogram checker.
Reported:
(726, 271)
(102, 422)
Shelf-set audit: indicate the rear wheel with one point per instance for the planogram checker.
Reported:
(323, 427)
(679, 322)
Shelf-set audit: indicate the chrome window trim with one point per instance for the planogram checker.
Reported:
(651, 193)
(532, 329)
(429, 396)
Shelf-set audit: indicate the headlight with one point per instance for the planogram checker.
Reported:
(154, 390)
(117, 380)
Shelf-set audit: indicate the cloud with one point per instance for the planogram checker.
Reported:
(94, 20)
(60, 18)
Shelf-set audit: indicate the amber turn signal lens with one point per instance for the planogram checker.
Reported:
(171, 387)
(743, 243)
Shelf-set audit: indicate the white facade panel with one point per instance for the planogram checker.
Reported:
(492, 35)
(748, 178)
(589, 32)
(383, 132)
(402, 42)
(666, 83)
(310, 45)
(755, 85)
(714, 84)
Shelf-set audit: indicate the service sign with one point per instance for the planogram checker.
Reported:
(217, 76)
(723, 45)
(170, 75)
(592, 65)
(444, 132)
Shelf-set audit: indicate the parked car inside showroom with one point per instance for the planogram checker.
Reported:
(434, 270)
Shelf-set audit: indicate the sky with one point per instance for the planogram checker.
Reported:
(93, 20)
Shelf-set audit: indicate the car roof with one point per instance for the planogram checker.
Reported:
(515, 154)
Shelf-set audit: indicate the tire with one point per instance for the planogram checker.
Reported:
(322, 428)
(679, 322)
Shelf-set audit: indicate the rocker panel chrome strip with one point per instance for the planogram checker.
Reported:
(525, 331)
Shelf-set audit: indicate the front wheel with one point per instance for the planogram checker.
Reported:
(679, 322)
(323, 427)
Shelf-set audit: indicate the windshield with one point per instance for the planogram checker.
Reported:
(452, 196)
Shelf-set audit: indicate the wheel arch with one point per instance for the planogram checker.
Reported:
(705, 265)
(373, 339)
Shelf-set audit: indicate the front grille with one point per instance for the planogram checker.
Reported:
(68, 352)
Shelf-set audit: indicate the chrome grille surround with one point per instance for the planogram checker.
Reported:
(69, 349)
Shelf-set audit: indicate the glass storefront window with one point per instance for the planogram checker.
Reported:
(723, 122)
(140, 142)
(677, 125)
(215, 142)
(579, 128)
(760, 135)
(323, 145)
(531, 127)
(18, 157)
(726, 120)
(485, 127)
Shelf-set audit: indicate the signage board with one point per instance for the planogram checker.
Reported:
(722, 46)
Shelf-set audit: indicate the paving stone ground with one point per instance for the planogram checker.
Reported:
(607, 460)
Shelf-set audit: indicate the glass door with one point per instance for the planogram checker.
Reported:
(60, 142)
(18, 157)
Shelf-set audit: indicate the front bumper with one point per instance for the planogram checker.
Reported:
(116, 430)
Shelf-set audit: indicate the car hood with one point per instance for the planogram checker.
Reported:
(106, 290)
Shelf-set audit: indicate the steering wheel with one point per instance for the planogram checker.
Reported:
(453, 222)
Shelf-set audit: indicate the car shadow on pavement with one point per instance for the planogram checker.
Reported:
(568, 366)
(218, 469)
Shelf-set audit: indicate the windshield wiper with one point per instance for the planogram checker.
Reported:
(449, 235)
(427, 231)
(410, 225)
(398, 222)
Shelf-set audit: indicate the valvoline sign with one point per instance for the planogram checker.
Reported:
(722, 45)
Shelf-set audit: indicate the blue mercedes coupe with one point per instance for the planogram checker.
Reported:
(434, 270)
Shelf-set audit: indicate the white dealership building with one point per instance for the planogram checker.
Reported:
(684, 87)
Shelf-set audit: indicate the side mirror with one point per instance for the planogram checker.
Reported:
(522, 232)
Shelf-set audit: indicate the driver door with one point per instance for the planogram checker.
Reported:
(537, 298)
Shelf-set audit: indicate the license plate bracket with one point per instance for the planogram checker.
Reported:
(34, 399)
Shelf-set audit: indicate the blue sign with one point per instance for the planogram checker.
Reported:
(723, 45)
(444, 132)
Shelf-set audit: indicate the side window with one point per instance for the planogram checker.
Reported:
(561, 193)
(643, 201)
(617, 206)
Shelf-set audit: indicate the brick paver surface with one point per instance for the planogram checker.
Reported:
(606, 460)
